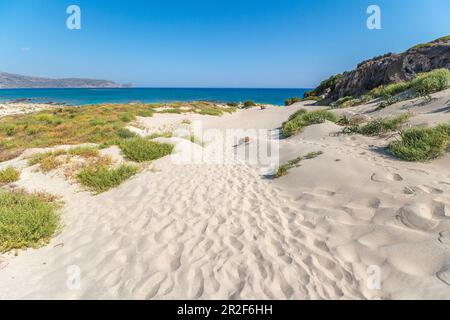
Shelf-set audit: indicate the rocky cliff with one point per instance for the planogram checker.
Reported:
(390, 68)
(10, 80)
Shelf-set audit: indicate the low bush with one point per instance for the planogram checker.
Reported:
(141, 150)
(26, 220)
(430, 82)
(159, 135)
(302, 119)
(421, 144)
(101, 178)
(8, 129)
(329, 83)
(174, 110)
(8, 175)
(291, 101)
(124, 133)
(342, 102)
(394, 89)
(211, 112)
(378, 127)
(249, 103)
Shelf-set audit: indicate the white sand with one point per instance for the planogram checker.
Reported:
(224, 232)
(11, 108)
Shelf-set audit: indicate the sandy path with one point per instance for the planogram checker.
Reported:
(181, 231)
(187, 231)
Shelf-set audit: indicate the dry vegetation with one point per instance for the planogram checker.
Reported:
(101, 124)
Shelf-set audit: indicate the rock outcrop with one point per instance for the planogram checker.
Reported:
(389, 68)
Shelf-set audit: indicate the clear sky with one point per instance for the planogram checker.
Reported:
(209, 43)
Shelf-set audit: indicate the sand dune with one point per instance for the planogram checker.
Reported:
(205, 231)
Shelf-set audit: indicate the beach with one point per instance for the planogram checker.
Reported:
(203, 230)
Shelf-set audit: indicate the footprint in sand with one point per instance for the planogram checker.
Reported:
(444, 237)
(441, 209)
(408, 190)
(430, 190)
(444, 275)
(386, 177)
(417, 216)
(150, 287)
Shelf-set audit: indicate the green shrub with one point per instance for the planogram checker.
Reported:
(423, 85)
(422, 45)
(291, 101)
(26, 220)
(394, 89)
(85, 152)
(233, 104)
(172, 110)
(8, 175)
(8, 129)
(343, 102)
(378, 127)
(124, 133)
(376, 92)
(431, 43)
(421, 144)
(159, 135)
(146, 113)
(329, 83)
(430, 82)
(127, 117)
(297, 114)
(211, 112)
(249, 103)
(101, 179)
(302, 119)
(140, 149)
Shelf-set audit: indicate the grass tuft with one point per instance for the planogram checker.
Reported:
(292, 100)
(101, 178)
(294, 163)
(49, 161)
(302, 119)
(249, 103)
(211, 112)
(421, 144)
(124, 133)
(26, 220)
(377, 127)
(141, 150)
(427, 83)
(8, 175)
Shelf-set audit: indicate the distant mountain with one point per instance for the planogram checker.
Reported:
(10, 80)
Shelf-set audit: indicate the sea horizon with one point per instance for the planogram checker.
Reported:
(83, 96)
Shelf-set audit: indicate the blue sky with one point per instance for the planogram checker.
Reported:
(209, 43)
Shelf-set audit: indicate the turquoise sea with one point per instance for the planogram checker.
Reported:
(123, 95)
